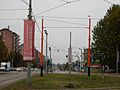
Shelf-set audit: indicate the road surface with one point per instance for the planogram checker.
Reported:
(11, 77)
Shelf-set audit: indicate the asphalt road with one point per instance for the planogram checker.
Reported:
(11, 77)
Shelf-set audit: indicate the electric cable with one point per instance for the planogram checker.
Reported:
(1, 10)
(65, 22)
(57, 7)
(36, 22)
(65, 27)
(24, 2)
(11, 19)
(108, 2)
(51, 9)
(44, 38)
(63, 0)
(75, 1)
(67, 17)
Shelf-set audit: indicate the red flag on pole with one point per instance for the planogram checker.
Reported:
(28, 50)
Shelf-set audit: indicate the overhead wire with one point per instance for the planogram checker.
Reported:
(65, 22)
(15, 9)
(57, 7)
(36, 22)
(12, 9)
(54, 20)
(85, 26)
(68, 17)
(70, 1)
(75, 1)
(24, 2)
(41, 32)
(51, 9)
(65, 27)
(63, 0)
(44, 38)
(108, 2)
(3, 19)
(37, 14)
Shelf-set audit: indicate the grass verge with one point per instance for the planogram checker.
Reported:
(65, 81)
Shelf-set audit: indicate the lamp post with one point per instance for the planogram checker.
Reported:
(81, 59)
(50, 58)
(46, 47)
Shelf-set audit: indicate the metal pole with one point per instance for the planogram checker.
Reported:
(84, 60)
(30, 10)
(46, 49)
(50, 58)
(70, 56)
(81, 60)
(89, 47)
(117, 65)
(29, 81)
(41, 54)
(46, 53)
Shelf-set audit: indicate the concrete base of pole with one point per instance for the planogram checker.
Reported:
(88, 71)
(41, 74)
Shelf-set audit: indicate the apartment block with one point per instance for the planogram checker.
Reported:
(11, 40)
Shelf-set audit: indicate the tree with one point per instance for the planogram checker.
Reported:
(3, 50)
(18, 62)
(17, 59)
(106, 35)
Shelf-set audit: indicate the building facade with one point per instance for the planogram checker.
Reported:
(11, 40)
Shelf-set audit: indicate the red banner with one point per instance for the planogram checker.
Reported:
(28, 50)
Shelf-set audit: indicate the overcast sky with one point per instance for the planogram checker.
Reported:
(58, 38)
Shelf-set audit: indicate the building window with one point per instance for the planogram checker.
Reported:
(0, 34)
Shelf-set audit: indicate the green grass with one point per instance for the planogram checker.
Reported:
(65, 81)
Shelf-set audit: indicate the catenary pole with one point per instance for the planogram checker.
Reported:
(89, 46)
(29, 81)
(46, 50)
(70, 55)
(41, 54)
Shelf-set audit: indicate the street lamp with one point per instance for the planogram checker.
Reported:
(50, 58)
(81, 59)
(46, 47)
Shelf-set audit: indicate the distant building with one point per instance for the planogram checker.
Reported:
(11, 40)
